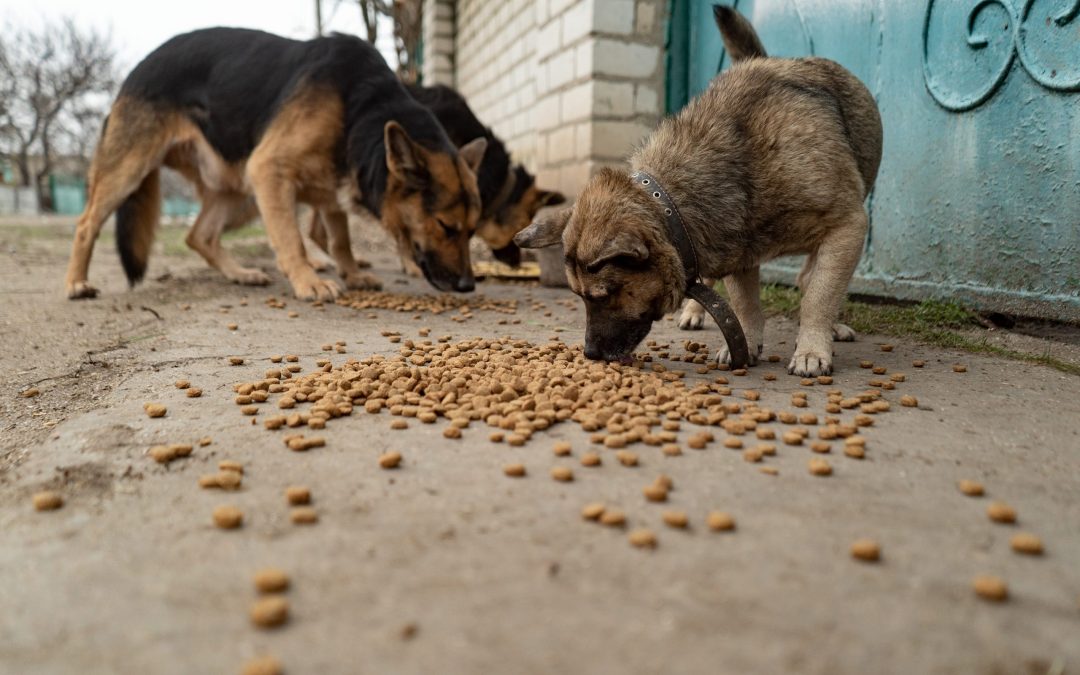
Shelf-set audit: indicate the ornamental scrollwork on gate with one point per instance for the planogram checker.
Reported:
(968, 51)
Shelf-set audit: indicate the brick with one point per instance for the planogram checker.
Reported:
(548, 39)
(561, 144)
(645, 18)
(646, 100)
(583, 58)
(548, 114)
(613, 99)
(556, 7)
(624, 59)
(576, 22)
(615, 139)
(577, 102)
(613, 16)
(560, 69)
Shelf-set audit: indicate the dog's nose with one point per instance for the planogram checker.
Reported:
(464, 284)
(593, 353)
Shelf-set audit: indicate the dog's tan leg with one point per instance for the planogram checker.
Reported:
(336, 226)
(840, 332)
(825, 288)
(744, 292)
(219, 212)
(693, 314)
(315, 242)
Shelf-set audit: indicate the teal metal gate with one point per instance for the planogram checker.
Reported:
(978, 197)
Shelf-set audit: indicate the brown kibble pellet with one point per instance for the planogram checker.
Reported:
(971, 488)
(228, 517)
(297, 495)
(918, 363)
(1000, 512)
(909, 401)
(193, 392)
(820, 467)
(769, 470)
(792, 438)
(733, 443)
(249, 410)
(514, 470)
(155, 409)
(752, 455)
(592, 511)
(866, 364)
(886, 348)
(236, 361)
(182, 384)
(671, 449)
(1028, 543)
(226, 480)
(855, 451)
(270, 611)
(879, 370)
(765, 434)
(820, 446)
(496, 437)
(720, 521)
(642, 538)
(304, 515)
(391, 459)
(627, 458)
(990, 587)
(590, 459)
(664, 481)
(263, 665)
(676, 519)
(613, 518)
(399, 424)
(959, 368)
(516, 440)
(655, 493)
(47, 500)
(271, 580)
(451, 432)
(866, 550)
(30, 393)
(562, 473)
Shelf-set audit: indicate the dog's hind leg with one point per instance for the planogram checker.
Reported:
(693, 314)
(221, 212)
(824, 291)
(336, 225)
(840, 332)
(744, 292)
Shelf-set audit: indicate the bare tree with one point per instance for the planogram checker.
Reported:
(408, 27)
(370, 11)
(57, 79)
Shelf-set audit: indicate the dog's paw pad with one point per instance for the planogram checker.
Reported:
(363, 282)
(842, 333)
(81, 290)
(810, 364)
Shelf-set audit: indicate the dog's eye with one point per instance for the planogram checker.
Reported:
(624, 261)
(447, 229)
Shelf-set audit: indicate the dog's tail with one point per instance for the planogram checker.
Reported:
(740, 38)
(136, 222)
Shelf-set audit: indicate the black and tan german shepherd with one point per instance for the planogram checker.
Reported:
(244, 114)
(509, 196)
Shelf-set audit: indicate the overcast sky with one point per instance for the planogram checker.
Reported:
(138, 26)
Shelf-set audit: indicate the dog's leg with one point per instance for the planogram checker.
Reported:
(744, 292)
(219, 213)
(826, 285)
(336, 226)
(693, 314)
(840, 332)
(315, 242)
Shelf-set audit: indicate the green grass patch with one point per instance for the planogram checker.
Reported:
(932, 322)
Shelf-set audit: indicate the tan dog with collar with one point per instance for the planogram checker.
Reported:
(775, 158)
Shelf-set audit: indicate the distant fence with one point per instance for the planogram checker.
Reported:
(18, 201)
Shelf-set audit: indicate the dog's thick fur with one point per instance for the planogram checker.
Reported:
(775, 158)
(509, 195)
(260, 121)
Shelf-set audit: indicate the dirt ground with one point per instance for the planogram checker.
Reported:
(498, 575)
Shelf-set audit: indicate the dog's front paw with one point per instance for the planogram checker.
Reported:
(362, 281)
(810, 363)
(249, 276)
(312, 287)
(78, 290)
(693, 316)
(723, 355)
(842, 333)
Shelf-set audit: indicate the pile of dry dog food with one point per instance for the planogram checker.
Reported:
(434, 304)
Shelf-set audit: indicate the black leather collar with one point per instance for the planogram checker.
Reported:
(717, 308)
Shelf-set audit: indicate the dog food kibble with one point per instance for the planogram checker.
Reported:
(886, 348)
(855, 451)
(514, 470)
(155, 409)
(655, 493)
(304, 515)
(452, 432)
(270, 611)
(990, 587)
(642, 538)
(228, 517)
(918, 363)
(866, 549)
(909, 401)
(671, 450)
(297, 494)
(613, 518)
(590, 459)
(971, 488)
(627, 458)
(236, 361)
(769, 470)
(676, 519)
(390, 460)
(271, 580)
(47, 500)
(263, 665)
(1000, 512)
(733, 443)
(820, 446)
(959, 368)
(562, 473)
(752, 455)
(399, 424)
(1025, 542)
(193, 392)
(866, 364)
(820, 467)
(720, 521)
(182, 384)
(592, 511)
(792, 438)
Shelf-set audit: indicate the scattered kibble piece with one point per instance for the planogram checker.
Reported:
(590, 459)
(297, 495)
(232, 326)
(270, 611)
(1000, 512)
(399, 424)
(236, 361)
(792, 438)
(562, 473)
(820, 467)
(655, 493)
(866, 364)
(613, 518)
(855, 451)
(592, 511)
(958, 368)
(1025, 542)
(820, 446)
(228, 517)
(769, 470)
(304, 515)
(886, 348)
(182, 384)
(271, 580)
(514, 470)
(918, 363)
(671, 449)
(990, 587)
(733, 443)
(867, 550)
(909, 401)
(155, 409)
(561, 449)
(752, 455)
(31, 392)
(627, 458)
(194, 392)
(390, 460)
(642, 538)
(453, 432)
(47, 500)
(971, 488)
(676, 519)
(720, 521)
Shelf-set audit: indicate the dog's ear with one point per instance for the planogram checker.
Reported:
(623, 245)
(404, 157)
(545, 230)
(550, 198)
(473, 152)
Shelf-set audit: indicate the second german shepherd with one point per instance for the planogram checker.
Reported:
(245, 113)
(775, 158)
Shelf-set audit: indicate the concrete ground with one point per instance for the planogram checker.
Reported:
(498, 575)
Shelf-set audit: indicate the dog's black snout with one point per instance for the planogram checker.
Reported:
(464, 284)
(593, 353)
